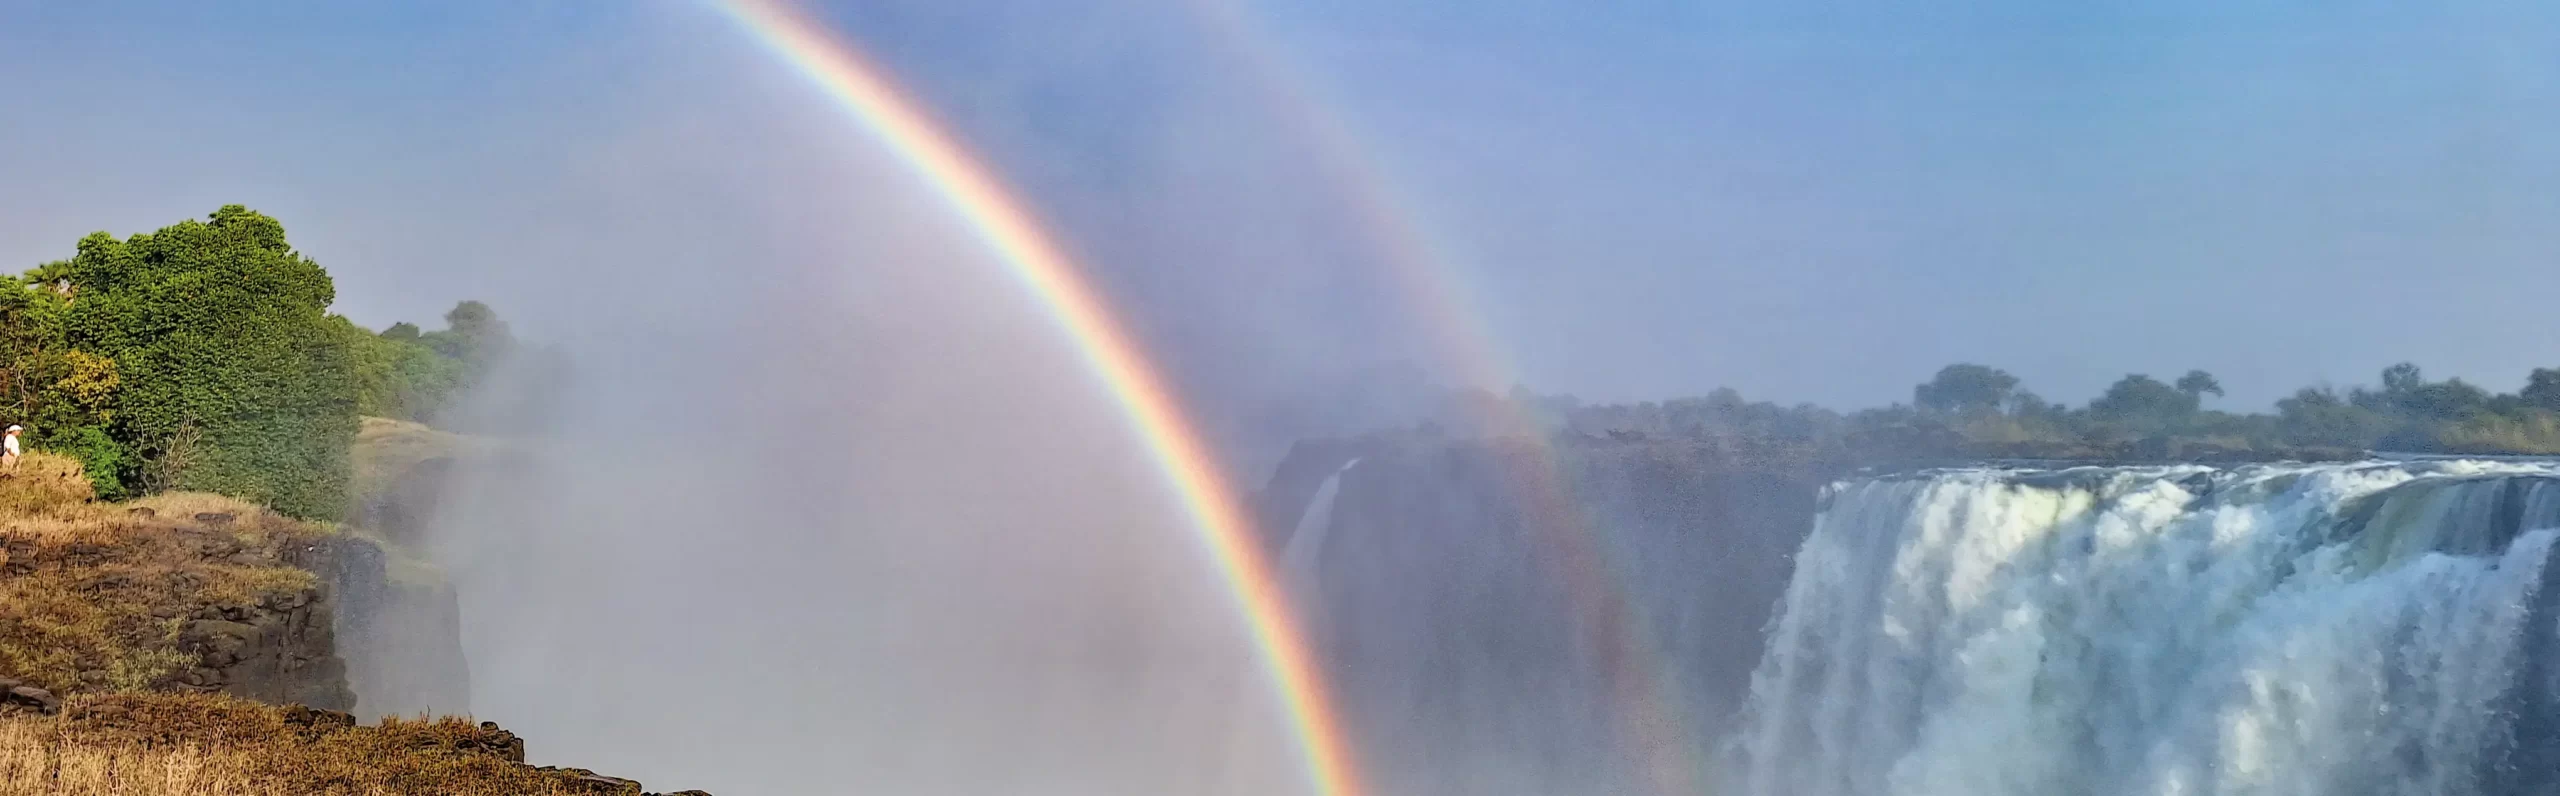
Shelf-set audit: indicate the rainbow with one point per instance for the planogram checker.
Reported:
(1001, 221)
(1428, 273)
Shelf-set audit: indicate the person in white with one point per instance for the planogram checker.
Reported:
(9, 450)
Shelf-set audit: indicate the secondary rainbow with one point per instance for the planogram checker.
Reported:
(1428, 271)
(866, 93)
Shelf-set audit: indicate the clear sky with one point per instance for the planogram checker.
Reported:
(1806, 201)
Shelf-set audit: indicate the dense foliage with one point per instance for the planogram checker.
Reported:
(203, 357)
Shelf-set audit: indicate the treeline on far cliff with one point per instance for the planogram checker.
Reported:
(203, 357)
(1977, 412)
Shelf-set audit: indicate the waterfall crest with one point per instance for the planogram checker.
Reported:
(2277, 630)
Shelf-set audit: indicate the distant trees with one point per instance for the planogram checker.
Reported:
(2144, 403)
(203, 356)
(2406, 393)
(2318, 416)
(1969, 409)
(1962, 388)
(406, 374)
(2542, 390)
(2196, 384)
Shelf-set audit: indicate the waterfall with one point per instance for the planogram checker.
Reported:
(1306, 544)
(2275, 630)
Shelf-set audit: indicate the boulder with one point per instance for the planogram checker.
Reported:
(16, 697)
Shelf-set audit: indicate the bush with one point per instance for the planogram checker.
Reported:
(215, 329)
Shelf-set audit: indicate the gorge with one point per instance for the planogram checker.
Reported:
(2373, 627)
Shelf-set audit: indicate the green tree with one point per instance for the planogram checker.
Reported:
(2143, 404)
(2317, 416)
(1963, 388)
(474, 336)
(217, 332)
(2196, 384)
(2542, 389)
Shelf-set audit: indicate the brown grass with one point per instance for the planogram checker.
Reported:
(42, 485)
(93, 595)
(385, 449)
(192, 745)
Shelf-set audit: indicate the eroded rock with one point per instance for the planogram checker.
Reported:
(17, 697)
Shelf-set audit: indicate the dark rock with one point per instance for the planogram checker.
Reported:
(313, 722)
(402, 642)
(216, 518)
(616, 783)
(1433, 540)
(30, 699)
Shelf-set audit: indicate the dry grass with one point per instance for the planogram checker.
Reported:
(191, 745)
(93, 595)
(385, 449)
(93, 599)
(42, 485)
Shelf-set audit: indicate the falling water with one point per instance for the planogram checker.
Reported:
(2329, 629)
(1306, 545)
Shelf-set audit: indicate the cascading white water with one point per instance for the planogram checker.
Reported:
(1298, 557)
(2268, 630)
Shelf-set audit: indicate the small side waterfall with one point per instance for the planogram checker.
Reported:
(1306, 545)
(2294, 630)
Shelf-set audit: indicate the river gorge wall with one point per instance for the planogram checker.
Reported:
(1491, 613)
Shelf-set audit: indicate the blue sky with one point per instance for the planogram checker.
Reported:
(1816, 202)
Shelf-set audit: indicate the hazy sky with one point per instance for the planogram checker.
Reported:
(1807, 201)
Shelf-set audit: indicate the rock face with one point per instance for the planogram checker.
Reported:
(404, 508)
(283, 650)
(402, 640)
(1514, 616)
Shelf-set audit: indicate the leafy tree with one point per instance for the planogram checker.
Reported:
(2317, 416)
(2542, 389)
(2451, 399)
(212, 329)
(474, 336)
(2143, 403)
(1964, 388)
(2402, 379)
(2196, 384)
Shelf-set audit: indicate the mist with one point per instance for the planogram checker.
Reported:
(829, 504)
(845, 512)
